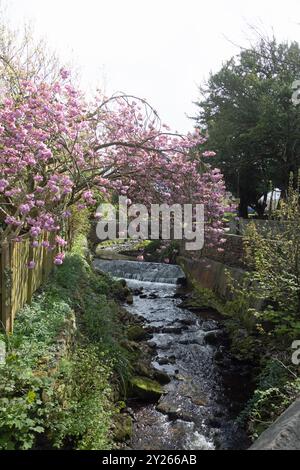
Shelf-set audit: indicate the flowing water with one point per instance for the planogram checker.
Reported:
(199, 407)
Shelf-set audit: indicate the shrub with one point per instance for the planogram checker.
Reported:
(66, 403)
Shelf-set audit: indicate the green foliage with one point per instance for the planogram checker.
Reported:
(263, 312)
(277, 388)
(20, 402)
(203, 297)
(80, 409)
(275, 262)
(67, 402)
(31, 349)
(252, 123)
(266, 334)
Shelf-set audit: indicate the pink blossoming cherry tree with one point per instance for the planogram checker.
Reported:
(59, 151)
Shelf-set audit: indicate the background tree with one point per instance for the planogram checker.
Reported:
(246, 109)
(24, 58)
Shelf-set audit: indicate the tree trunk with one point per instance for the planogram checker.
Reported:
(243, 208)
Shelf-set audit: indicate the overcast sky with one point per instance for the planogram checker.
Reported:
(160, 50)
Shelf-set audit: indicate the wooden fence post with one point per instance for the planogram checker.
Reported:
(30, 276)
(6, 319)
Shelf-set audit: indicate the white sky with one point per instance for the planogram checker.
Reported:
(160, 50)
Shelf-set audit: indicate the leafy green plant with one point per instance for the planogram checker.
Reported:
(64, 401)
(265, 334)
(20, 420)
(79, 412)
(274, 259)
(278, 386)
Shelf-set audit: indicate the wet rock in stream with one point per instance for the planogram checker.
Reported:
(174, 412)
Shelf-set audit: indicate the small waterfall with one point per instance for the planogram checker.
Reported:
(147, 272)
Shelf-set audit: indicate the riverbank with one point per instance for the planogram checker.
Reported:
(256, 341)
(70, 362)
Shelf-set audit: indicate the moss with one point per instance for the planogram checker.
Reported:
(136, 333)
(145, 389)
(122, 427)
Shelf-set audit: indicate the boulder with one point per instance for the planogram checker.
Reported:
(153, 296)
(161, 377)
(170, 409)
(137, 333)
(145, 389)
(173, 410)
(138, 291)
(162, 361)
(175, 330)
(187, 321)
(143, 368)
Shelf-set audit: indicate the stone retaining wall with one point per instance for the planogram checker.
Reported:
(210, 274)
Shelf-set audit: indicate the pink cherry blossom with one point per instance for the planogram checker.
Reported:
(31, 264)
(59, 259)
(59, 151)
(209, 153)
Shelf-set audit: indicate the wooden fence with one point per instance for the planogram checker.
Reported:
(17, 282)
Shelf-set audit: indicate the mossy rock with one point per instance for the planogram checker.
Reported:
(145, 389)
(122, 427)
(136, 333)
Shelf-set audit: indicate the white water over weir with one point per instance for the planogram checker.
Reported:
(146, 272)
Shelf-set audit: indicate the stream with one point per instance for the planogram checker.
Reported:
(201, 402)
